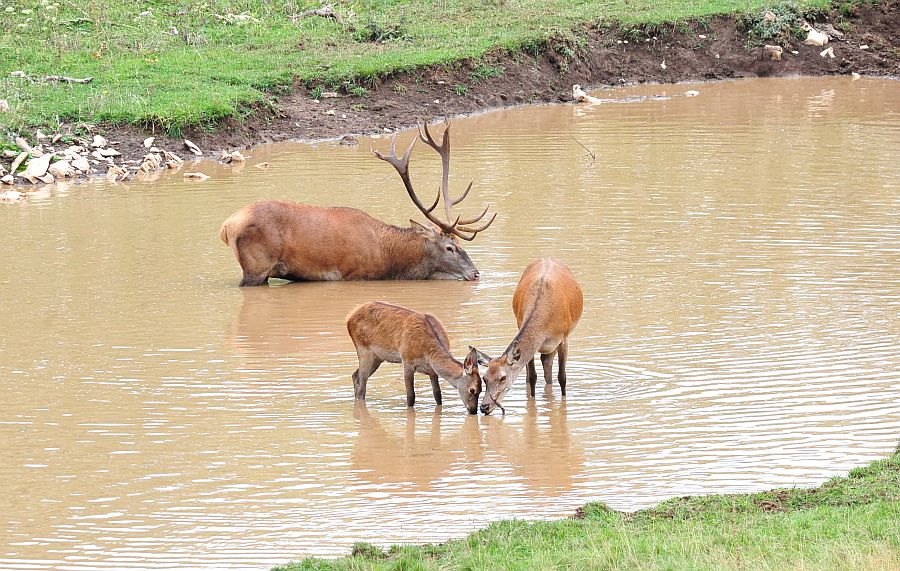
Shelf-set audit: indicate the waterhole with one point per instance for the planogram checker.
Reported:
(740, 257)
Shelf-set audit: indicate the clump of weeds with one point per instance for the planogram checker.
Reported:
(762, 28)
(380, 31)
(484, 72)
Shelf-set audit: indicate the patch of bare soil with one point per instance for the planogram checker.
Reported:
(605, 56)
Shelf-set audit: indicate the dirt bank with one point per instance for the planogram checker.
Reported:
(598, 59)
(601, 55)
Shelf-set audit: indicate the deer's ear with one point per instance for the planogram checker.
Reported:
(483, 358)
(428, 232)
(471, 362)
(514, 353)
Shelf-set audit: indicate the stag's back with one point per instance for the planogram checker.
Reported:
(549, 297)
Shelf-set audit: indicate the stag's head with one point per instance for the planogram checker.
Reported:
(469, 382)
(447, 260)
(442, 239)
(500, 375)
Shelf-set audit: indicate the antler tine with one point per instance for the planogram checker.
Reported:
(427, 138)
(463, 236)
(444, 151)
(402, 167)
(475, 231)
(477, 218)
(464, 195)
(436, 200)
(401, 164)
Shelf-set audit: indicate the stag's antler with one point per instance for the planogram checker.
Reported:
(402, 167)
(460, 228)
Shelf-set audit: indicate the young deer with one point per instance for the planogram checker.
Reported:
(548, 304)
(386, 332)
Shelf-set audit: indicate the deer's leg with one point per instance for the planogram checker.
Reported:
(252, 280)
(561, 374)
(547, 363)
(436, 389)
(252, 252)
(368, 364)
(409, 372)
(531, 376)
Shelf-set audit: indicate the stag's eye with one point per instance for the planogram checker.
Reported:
(502, 378)
(450, 249)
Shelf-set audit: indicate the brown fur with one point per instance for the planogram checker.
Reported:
(547, 303)
(301, 242)
(386, 332)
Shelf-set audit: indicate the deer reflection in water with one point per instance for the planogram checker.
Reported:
(422, 449)
(391, 451)
(542, 451)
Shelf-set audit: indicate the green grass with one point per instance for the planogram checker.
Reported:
(172, 63)
(851, 522)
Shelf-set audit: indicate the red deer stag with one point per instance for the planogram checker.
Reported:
(548, 304)
(301, 242)
(386, 332)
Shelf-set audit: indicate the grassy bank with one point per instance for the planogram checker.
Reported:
(851, 522)
(173, 63)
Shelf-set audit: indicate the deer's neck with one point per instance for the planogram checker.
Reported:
(445, 365)
(403, 250)
(530, 337)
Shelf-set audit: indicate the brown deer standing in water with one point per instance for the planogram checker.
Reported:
(302, 242)
(386, 332)
(548, 302)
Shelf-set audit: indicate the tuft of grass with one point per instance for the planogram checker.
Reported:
(367, 551)
(358, 91)
(852, 522)
(483, 72)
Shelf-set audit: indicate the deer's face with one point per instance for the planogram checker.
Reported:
(445, 256)
(469, 383)
(500, 375)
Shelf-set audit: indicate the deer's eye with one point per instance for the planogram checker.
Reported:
(450, 248)
(502, 378)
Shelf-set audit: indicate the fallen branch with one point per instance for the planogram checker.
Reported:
(326, 11)
(65, 79)
(52, 78)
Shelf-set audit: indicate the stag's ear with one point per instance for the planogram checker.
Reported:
(513, 354)
(422, 229)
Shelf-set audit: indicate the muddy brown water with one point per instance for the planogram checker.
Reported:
(740, 257)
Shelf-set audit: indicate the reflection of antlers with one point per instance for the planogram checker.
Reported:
(460, 228)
